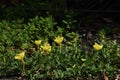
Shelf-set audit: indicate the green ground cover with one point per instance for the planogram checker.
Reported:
(43, 49)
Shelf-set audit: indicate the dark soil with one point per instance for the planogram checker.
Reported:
(91, 25)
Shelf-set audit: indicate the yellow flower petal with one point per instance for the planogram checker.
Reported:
(20, 56)
(46, 47)
(38, 42)
(97, 46)
(59, 40)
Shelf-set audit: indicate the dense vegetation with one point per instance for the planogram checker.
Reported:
(42, 40)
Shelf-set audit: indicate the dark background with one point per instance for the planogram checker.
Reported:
(24, 8)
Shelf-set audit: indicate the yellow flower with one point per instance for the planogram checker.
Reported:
(38, 42)
(20, 56)
(97, 46)
(59, 40)
(46, 47)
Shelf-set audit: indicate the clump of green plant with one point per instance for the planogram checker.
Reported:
(104, 58)
(38, 50)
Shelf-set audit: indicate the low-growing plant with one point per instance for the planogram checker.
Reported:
(38, 50)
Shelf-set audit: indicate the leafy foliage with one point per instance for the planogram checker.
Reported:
(65, 61)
